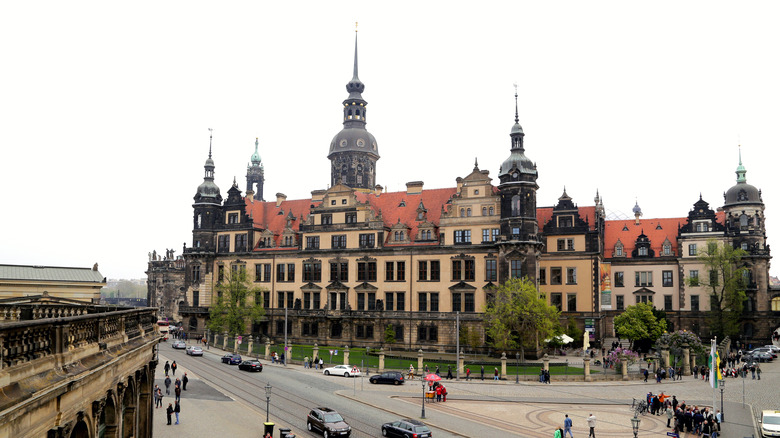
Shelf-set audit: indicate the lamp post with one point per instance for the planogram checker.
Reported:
(517, 370)
(722, 386)
(635, 424)
(423, 397)
(267, 399)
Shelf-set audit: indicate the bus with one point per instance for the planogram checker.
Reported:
(162, 326)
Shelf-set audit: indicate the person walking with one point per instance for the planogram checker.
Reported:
(567, 426)
(320, 363)
(177, 393)
(167, 385)
(592, 425)
(449, 372)
(482, 372)
(758, 371)
(306, 362)
(169, 412)
(184, 381)
(176, 411)
(173, 368)
(468, 373)
(495, 373)
(156, 397)
(167, 367)
(669, 416)
(558, 433)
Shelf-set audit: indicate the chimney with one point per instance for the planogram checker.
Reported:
(459, 180)
(414, 188)
(318, 195)
(250, 195)
(280, 197)
(377, 190)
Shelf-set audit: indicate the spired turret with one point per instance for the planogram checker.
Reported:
(255, 176)
(207, 208)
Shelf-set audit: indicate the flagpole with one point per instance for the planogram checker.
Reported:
(713, 372)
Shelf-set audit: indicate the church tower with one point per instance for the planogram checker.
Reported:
(520, 245)
(208, 209)
(353, 151)
(255, 176)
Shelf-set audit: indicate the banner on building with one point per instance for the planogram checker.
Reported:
(605, 284)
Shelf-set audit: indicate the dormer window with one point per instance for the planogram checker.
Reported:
(702, 227)
(643, 251)
(420, 216)
(618, 249)
(233, 218)
(565, 222)
(667, 249)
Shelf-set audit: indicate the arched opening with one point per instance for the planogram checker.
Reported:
(145, 405)
(80, 430)
(107, 424)
(516, 209)
(128, 411)
(193, 325)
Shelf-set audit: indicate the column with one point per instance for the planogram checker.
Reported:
(461, 368)
(586, 362)
(420, 367)
(686, 365)
(267, 355)
(346, 355)
(224, 340)
(665, 356)
(693, 360)
(546, 361)
(315, 352)
(503, 365)
(381, 360)
(250, 345)
(624, 369)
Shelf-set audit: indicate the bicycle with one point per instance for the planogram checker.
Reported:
(639, 407)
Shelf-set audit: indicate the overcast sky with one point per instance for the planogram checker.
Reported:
(105, 107)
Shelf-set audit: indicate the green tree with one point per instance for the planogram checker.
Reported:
(725, 283)
(573, 331)
(236, 304)
(469, 337)
(638, 323)
(518, 316)
(676, 340)
(390, 334)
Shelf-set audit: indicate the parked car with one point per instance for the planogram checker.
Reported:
(179, 345)
(774, 348)
(251, 365)
(406, 428)
(761, 356)
(342, 370)
(388, 377)
(327, 421)
(193, 350)
(770, 423)
(766, 350)
(231, 359)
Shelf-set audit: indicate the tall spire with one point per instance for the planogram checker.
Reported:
(355, 68)
(517, 116)
(741, 171)
(355, 87)
(211, 133)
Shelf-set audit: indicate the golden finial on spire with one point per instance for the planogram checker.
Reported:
(356, 27)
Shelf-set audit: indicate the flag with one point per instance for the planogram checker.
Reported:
(713, 363)
(717, 369)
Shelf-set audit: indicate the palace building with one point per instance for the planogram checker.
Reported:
(353, 259)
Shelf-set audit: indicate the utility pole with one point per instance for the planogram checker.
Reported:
(457, 345)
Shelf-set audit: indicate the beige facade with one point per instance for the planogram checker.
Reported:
(80, 284)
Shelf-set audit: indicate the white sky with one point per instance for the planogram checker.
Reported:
(105, 106)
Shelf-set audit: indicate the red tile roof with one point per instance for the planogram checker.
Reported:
(545, 214)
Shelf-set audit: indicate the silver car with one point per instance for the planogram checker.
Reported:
(193, 350)
(179, 345)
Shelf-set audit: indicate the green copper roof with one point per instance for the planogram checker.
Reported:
(50, 273)
(256, 156)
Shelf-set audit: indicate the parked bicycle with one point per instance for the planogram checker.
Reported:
(639, 407)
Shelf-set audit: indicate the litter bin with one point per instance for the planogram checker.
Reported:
(268, 428)
(283, 431)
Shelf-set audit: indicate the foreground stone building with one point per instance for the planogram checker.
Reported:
(80, 284)
(353, 259)
(75, 370)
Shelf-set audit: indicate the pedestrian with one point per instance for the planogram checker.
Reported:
(592, 425)
(567, 426)
(166, 367)
(173, 368)
(167, 385)
(495, 373)
(156, 397)
(482, 372)
(306, 362)
(176, 410)
(449, 372)
(558, 433)
(411, 372)
(758, 371)
(645, 373)
(444, 393)
(168, 412)
(320, 363)
(184, 381)
(177, 393)
(468, 373)
(437, 371)
(547, 376)
(438, 393)
(669, 416)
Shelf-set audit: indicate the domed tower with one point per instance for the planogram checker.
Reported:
(521, 246)
(255, 176)
(745, 228)
(353, 151)
(208, 208)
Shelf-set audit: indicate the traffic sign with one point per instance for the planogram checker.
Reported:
(674, 434)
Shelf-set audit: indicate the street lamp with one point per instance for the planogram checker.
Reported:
(722, 385)
(635, 424)
(423, 397)
(517, 370)
(267, 399)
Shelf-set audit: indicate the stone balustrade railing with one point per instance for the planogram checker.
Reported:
(24, 341)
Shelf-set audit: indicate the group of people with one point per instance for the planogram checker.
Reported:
(660, 403)
(275, 358)
(544, 376)
(561, 432)
(693, 419)
(439, 391)
(316, 362)
(179, 386)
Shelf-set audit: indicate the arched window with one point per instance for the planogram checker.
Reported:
(516, 210)
(743, 220)
(490, 211)
(619, 250)
(776, 304)
(462, 212)
(643, 250)
(484, 211)
(468, 212)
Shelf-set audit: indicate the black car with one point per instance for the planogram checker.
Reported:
(231, 359)
(251, 365)
(406, 428)
(388, 377)
(329, 422)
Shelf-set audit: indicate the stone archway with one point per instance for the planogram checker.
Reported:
(144, 402)
(128, 410)
(108, 422)
(81, 430)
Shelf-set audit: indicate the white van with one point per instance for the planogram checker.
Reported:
(770, 423)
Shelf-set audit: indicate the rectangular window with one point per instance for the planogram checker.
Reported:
(266, 299)
(290, 301)
(280, 272)
(315, 300)
(241, 240)
(196, 298)
(694, 303)
(280, 300)
(692, 249)
(422, 303)
(619, 304)
(422, 271)
(401, 271)
(196, 274)
(312, 271)
(389, 271)
(694, 276)
(571, 275)
(667, 302)
(435, 270)
(351, 218)
(515, 233)
(485, 235)
(220, 273)
(389, 300)
(668, 280)
(367, 240)
(371, 296)
(556, 300)
(713, 277)
(462, 236)
(434, 301)
(312, 242)
(516, 268)
(326, 219)
(307, 300)
(643, 279)
(556, 276)
(494, 234)
(456, 267)
(361, 301)
(400, 301)
(571, 302)
(366, 271)
(570, 244)
(561, 244)
(290, 272)
(490, 270)
(468, 270)
(338, 241)
(233, 218)
(456, 303)
(565, 221)
(543, 276)
(468, 303)
(618, 279)
(223, 243)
